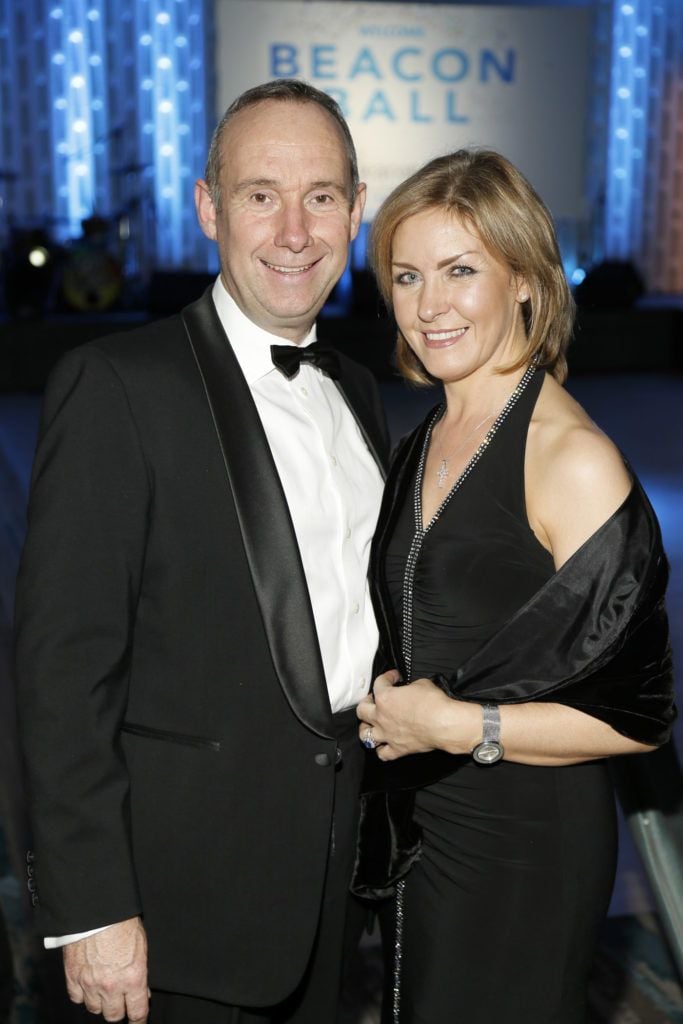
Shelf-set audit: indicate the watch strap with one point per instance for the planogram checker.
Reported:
(490, 749)
(491, 723)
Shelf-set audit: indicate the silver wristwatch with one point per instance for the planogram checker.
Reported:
(490, 749)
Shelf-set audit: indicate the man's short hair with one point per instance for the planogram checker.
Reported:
(284, 90)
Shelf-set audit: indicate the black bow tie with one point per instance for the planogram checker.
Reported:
(288, 358)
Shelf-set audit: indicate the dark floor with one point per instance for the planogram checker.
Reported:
(644, 415)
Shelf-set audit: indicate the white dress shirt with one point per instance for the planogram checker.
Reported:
(333, 489)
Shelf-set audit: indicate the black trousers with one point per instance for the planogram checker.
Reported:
(316, 998)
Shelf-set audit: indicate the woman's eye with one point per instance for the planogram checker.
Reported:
(461, 270)
(406, 277)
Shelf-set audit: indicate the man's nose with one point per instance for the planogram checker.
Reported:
(293, 230)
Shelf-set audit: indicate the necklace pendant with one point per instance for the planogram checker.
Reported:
(442, 473)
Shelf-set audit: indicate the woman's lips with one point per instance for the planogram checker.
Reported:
(441, 339)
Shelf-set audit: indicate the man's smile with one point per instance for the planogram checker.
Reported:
(288, 270)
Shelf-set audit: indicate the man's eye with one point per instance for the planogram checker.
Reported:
(260, 197)
(323, 199)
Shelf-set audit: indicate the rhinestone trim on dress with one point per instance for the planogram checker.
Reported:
(421, 532)
(398, 949)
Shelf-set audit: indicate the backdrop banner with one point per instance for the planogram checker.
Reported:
(418, 80)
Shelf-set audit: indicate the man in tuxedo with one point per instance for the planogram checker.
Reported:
(194, 626)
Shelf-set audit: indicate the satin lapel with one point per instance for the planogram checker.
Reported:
(396, 495)
(269, 539)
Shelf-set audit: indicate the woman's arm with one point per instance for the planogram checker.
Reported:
(420, 717)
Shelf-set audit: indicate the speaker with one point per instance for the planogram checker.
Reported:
(612, 284)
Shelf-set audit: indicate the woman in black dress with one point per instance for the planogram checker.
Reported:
(518, 580)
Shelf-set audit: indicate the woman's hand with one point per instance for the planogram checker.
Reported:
(416, 718)
(419, 717)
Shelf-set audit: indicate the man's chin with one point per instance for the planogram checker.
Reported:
(300, 315)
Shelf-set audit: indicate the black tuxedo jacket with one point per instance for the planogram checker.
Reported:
(173, 707)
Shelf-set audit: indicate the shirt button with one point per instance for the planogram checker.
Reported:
(355, 608)
(363, 681)
(333, 460)
(303, 391)
(348, 532)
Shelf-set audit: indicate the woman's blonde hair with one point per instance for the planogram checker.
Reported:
(490, 195)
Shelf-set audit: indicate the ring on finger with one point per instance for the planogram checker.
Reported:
(369, 741)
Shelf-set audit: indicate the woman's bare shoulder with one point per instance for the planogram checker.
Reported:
(575, 475)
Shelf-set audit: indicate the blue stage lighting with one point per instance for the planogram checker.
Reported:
(171, 35)
(113, 131)
(78, 112)
(642, 189)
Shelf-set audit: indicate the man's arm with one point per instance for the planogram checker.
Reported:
(76, 600)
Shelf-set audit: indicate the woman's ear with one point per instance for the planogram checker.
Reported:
(523, 291)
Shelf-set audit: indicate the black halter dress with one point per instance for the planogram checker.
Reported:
(501, 912)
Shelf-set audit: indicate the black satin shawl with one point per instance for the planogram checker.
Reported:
(594, 637)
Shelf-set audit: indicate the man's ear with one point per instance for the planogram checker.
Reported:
(357, 209)
(206, 211)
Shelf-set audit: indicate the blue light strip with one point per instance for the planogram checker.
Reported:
(7, 48)
(79, 110)
(637, 47)
(158, 47)
(173, 118)
(26, 200)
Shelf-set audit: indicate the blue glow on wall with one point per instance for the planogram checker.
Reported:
(106, 108)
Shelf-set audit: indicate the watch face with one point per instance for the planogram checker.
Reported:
(488, 752)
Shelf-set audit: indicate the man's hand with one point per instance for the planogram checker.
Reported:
(108, 972)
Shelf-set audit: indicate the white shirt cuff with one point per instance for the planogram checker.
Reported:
(54, 942)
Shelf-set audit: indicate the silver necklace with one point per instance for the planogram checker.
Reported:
(421, 532)
(442, 472)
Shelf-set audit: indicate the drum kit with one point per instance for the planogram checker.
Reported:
(107, 265)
